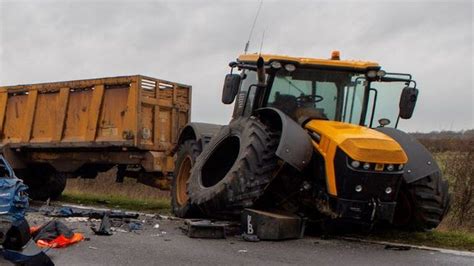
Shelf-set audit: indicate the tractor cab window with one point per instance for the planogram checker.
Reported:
(383, 103)
(354, 92)
(245, 97)
(318, 94)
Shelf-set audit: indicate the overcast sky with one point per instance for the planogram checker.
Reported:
(192, 42)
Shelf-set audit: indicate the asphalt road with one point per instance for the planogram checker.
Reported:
(167, 245)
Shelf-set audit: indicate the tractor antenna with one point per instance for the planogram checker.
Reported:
(261, 43)
(253, 26)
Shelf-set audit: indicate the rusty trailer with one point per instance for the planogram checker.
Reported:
(50, 131)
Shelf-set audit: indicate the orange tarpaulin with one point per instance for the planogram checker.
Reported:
(59, 242)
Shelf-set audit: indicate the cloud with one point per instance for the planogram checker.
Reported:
(193, 41)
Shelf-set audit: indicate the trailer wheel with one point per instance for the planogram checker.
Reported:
(187, 153)
(50, 185)
(235, 169)
(58, 184)
(422, 205)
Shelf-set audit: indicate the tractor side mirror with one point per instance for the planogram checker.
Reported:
(231, 87)
(408, 102)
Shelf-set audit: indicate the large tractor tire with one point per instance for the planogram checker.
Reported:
(422, 205)
(235, 169)
(186, 156)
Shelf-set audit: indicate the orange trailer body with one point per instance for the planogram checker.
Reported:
(129, 120)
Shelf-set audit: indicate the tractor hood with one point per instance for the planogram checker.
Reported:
(358, 142)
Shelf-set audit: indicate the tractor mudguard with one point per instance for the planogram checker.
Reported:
(295, 146)
(420, 161)
(201, 132)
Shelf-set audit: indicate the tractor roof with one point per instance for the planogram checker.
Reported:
(348, 64)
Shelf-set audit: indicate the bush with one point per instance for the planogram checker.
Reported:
(459, 170)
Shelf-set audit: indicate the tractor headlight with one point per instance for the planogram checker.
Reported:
(381, 73)
(276, 65)
(290, 67)
(400, 167)
(358, 188)
(355, 164)
(366, 166)
(390, 167)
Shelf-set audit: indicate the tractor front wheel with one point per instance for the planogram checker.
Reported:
(186, 157)
(422, 205)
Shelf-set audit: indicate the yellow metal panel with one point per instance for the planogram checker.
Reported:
(328, 154)
(61, 108)
(251, 58)
(94, 111)
(156, 127)
(14, 117)
(44, 122)
(131, 114)
(147, 129)
(112, 115)
(29, 115)
(360, 143)
(3, 107)
(77, 115)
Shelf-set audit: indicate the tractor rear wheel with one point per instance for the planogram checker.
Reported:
(235, 169)
(186, 157)
(422, 204)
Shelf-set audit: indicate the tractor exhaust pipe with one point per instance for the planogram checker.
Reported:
(261, 72)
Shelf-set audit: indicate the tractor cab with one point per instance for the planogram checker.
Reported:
(356, 92)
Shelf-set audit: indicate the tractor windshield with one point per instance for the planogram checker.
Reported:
(383, 103)
(318, 94)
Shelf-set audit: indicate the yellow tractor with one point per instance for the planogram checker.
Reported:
(317, 137)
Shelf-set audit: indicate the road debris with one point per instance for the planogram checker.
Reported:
(397, 247)
(84, 212)
(104, 228)
(204, 229)
(55, 234)
(250, 238)
(266, 225)
(133, 226)
(30, 254)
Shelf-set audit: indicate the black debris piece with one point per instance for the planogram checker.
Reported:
(90, 213)
(104, 228)
(205, 229)
(29, 255)
(52, 230)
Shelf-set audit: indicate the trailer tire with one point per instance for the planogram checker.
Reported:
(422, 205)
(58, 183)
(186, 156)
(50, 187)
(235, 168)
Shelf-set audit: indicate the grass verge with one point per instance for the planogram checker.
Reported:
(117, 201)
(441, 239)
